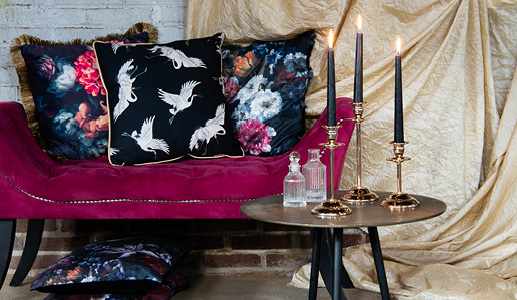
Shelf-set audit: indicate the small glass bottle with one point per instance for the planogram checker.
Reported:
(294, 183)
(315, 173)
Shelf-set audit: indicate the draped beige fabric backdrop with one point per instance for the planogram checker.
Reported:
(460, 112)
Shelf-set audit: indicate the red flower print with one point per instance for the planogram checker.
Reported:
(88, 75)
(74, 274)
(243, 65)
(231, 88)
(90, 126)
(83, 114)
(283, 77)
(102, 122)
(255, 136)
(46, 67)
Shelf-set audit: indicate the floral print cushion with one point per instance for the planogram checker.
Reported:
(69, 97)
(265, 85)
(122, 266)
(171, 285)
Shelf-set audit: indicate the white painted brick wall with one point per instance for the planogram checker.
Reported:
(63, 20)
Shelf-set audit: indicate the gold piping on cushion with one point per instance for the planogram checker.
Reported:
(23, 76)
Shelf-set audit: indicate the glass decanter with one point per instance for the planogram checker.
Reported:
(315, 173)
(294, 183)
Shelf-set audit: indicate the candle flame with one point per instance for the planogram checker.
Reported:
(359, 23)
(398, 46)
(331, 39)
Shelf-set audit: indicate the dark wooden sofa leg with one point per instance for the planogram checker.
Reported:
(30, 251)
(7, 232)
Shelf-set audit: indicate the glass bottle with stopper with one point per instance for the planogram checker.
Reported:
(294, 183)
(315, 173)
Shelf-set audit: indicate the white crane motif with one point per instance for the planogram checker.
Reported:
(125, 91)
(115, 46)
(113, 151)
(212, 129)
(181, 101)
(178, 58)
(145, 139)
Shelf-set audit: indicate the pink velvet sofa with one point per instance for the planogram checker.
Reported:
(35, 187)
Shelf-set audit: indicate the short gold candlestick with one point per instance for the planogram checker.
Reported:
(399, 199)
(359, 193)
(331, 207)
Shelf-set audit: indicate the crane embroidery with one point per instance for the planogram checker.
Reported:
(125, 93)
(177, 57)
(145, 139)
(115, 46)
(181, 101)
(212, 129)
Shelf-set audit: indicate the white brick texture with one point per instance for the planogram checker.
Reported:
(63, 20)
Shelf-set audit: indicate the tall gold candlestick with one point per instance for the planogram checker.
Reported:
(359, 193)
(332, 207)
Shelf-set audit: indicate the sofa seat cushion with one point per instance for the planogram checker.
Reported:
(34, 186)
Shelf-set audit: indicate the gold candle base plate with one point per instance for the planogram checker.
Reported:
(400, 201)
(360, 194)
(331, 208)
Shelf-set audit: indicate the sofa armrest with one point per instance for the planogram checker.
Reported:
(19, 151)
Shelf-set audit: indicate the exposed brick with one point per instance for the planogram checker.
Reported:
(41, 262)
(231, 260)
(355, 238)
(209, 241)
(18, 243)
(226, 225)
(261, 242)
(21, 225)
(50, 225)
(191, 262)
(304, 241)
(92, 225)
(290, 260)
(63, 243)
(159, 225)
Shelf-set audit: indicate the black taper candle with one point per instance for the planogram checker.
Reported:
(331, 86)
(399, 122)
(358, 74)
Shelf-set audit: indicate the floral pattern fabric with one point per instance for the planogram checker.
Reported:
(70, 98)
(132, 265)
(265, 84)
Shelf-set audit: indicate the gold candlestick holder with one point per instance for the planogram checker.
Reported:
(331, 207)
(399, 199)
(359, 193)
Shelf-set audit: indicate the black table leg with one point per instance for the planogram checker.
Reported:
(338, 259)
(327, 263)
(315, 266)
(379, 263)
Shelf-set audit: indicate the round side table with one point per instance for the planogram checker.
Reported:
(327, 233)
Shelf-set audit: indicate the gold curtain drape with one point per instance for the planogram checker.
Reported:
(460, 101)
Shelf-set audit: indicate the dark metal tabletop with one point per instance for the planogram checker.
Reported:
(371, 214)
